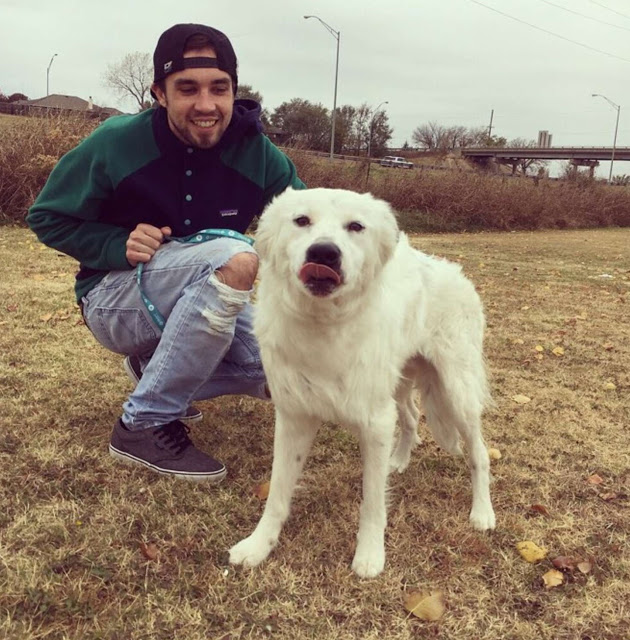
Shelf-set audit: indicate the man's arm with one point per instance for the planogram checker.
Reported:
(66, 214)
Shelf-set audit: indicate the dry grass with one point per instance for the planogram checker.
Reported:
(72, 521)
(457, 200)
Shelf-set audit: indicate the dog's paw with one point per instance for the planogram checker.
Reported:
(368, 565)
(251, 551)
(399, 462)
(482, 518)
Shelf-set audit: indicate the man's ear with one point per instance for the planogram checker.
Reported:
(159, 94)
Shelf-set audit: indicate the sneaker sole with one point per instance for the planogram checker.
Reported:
(190, 476)
(193, 417)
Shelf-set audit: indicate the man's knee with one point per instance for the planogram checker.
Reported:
(239, 272)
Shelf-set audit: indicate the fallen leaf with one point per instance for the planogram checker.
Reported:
(494, 454)
(609, 346)
(595, 479)
(518, 341)
(521, 399)
(261, 491)
(149, 550)
(558, 351)
(426, 606)
(46, 318)
(539, 348)
(610, 386)
(12, 307)
(531, 551)
(553, 578)
(584, 567)
(565, 562)
(539, 508)
(607, 497)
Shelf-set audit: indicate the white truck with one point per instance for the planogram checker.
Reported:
(395, 161)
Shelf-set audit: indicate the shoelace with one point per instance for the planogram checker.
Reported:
(195, 238)
(173, 437)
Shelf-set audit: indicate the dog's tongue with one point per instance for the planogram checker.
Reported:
(311, 270)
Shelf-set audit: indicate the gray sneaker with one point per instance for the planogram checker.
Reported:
(166, 449)
(132, 368)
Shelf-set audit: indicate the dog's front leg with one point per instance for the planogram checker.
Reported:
(293, 437)
(376, 444)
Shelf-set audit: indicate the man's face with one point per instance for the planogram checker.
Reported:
(199, 102)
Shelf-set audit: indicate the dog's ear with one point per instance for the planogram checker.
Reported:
(264, 232)
(388, 232)
(263, 235)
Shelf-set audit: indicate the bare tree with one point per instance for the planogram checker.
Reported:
(131, 78)
(431, 136)
(526, 163)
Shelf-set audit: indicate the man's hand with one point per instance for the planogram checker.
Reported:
(144, 241)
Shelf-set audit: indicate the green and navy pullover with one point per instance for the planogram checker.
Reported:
(133, 169)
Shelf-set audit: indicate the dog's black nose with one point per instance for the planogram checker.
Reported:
(326, 253)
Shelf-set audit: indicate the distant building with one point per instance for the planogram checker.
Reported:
(276, 135)
(56, 104)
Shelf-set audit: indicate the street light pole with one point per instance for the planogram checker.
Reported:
(369, 145)
(618, 109)
(337, 36)
(48, 73)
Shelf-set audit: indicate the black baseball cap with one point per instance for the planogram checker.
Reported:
(169, 52)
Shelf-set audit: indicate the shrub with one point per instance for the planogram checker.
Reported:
(426, 199)
(29, 149)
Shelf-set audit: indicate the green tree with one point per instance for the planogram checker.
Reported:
(246, 92)
(307, 124)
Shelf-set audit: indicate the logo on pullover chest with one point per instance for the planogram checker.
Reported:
(228, 213)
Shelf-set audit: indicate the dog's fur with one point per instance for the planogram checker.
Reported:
(354, 351)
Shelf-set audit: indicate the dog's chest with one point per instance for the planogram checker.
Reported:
(329, 376)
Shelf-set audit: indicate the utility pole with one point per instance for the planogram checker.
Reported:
(48, 74)
(490, 125)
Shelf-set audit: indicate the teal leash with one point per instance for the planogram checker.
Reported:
(195, 238)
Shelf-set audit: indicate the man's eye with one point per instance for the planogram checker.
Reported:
(355, 226)
(302, 221)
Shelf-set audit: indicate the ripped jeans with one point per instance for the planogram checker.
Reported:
(206, 348)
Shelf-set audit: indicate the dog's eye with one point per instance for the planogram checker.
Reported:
(302, 221)
(355, 226)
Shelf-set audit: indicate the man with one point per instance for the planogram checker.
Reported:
(182, 317)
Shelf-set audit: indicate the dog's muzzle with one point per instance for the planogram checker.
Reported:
(321, 271)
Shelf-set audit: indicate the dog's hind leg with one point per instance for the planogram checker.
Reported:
(459, 401)
(293, 438)
(375, 440)
(408, 416)
(437, 410)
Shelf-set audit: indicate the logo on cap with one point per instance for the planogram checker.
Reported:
(167, 66)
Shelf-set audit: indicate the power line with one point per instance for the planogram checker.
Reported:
(599, 4)
(577, 13)
(557, 35)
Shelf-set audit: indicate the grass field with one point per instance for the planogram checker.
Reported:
(72, 522)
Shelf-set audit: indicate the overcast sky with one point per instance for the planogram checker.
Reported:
(450, 61)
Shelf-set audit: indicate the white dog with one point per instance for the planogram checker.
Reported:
(351, 321)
